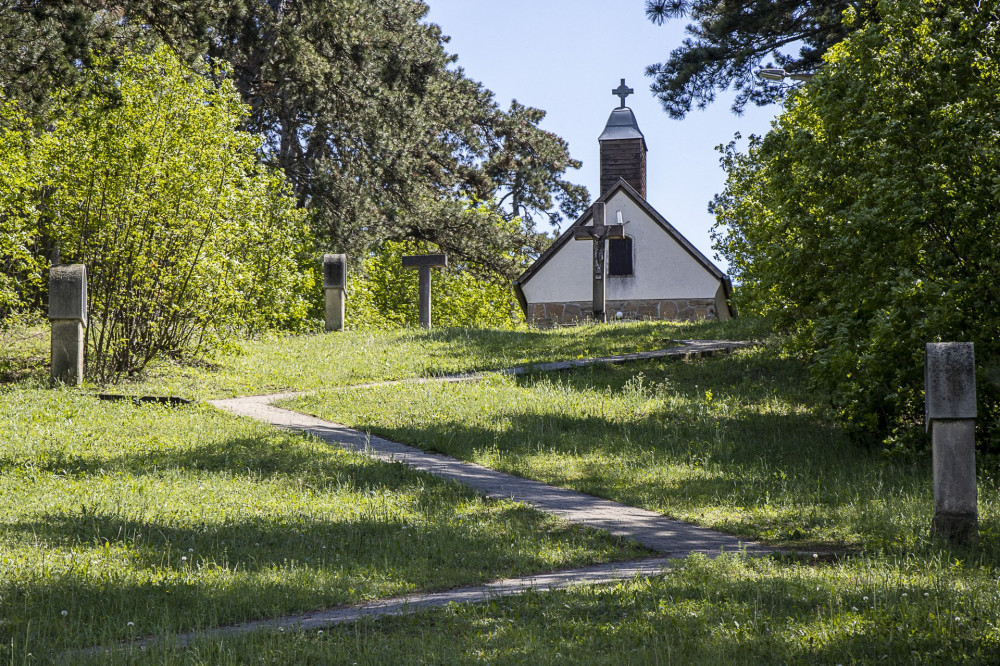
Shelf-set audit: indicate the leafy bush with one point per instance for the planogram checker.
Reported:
(185, 235)
(21, 270)
(382, 294)
(867, 220)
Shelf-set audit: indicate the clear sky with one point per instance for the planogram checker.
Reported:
(565, 56)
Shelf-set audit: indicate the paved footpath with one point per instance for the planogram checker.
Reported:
(317, 620)
(649, 528)
(672, 538)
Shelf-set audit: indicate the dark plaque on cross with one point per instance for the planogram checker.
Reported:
(424, 263)
(598, 233)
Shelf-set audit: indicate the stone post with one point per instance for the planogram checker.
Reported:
(950, 408)
(335, 288)
(68, 316)
(424, 263)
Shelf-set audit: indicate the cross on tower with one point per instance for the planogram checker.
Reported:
(622, 91)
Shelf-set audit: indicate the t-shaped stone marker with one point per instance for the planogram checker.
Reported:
(68, 316)
(424, 263)
(950, 409)
(335, 289)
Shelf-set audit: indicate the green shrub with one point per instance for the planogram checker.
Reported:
(184, 234)
(382, 294)
(867, 220)
(21, 271)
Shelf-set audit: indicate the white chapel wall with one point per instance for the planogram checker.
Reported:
(663, 268)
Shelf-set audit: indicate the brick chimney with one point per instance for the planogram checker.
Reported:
(623, 152)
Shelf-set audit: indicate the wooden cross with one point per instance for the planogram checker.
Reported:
(622, 91)
(598, 232)
(424, 263)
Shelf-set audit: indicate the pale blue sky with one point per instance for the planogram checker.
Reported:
(565, 56)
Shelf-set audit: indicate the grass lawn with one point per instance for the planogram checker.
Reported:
(729, 610)
(102, 501)
(737, 443)
(319, 361)
(121, 521)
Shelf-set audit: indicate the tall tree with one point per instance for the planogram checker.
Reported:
(357, 102)
(866, 220)
(360, 107)
(730, 40)
(527, 164)
(45, 46)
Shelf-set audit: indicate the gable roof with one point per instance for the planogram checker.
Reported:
(637, 198)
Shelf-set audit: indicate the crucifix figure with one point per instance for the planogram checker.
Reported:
(598, 232)
(424, 263)
(622, 91)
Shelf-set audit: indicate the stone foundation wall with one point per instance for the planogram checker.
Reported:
(545, 315)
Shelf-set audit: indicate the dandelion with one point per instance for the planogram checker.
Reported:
(130, 624)
(65, 613)
(904, 595)
(190, 550)
(184, 559)
(927, 594)
(864, 598)
(319, 633)
(815, 556)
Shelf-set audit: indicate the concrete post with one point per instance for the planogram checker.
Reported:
(424, 295)
(68, 316)
(424, 263)
(950, 409)
(335, 289)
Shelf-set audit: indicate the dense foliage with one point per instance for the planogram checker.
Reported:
(161, 195)
(21, 270)
(158, 185)
(730, 40)
(867, 220)
(357, 102)
(383, 295)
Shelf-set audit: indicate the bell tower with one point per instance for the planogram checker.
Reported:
(623, 147)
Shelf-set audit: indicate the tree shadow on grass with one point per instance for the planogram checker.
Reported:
(180, 577)
(704, 614)
(259, 457)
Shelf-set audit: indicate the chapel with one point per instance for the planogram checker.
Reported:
(653, 272)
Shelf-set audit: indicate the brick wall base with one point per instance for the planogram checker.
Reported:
(545, 315)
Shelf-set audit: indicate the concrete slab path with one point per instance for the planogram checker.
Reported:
(689, 349)
(672, 538)
(646, 527)
(316, 620)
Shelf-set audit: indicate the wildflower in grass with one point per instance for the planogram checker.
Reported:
(130, 624)
(184, 558)
(65, 613)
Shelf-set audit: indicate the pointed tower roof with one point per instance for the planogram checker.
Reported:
(622, 125)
